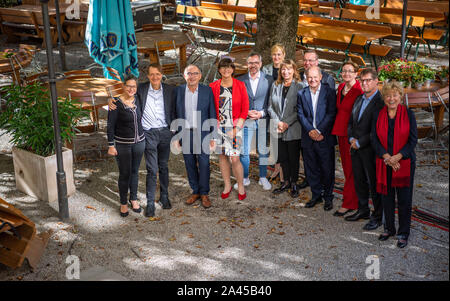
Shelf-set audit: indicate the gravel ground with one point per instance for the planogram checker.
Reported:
(261, 238)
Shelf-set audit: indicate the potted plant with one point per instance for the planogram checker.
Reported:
(428, 75)
(27, 117)
(442, 73)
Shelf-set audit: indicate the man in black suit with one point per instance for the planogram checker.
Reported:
(195, 113)
(311, 59)
(316, 109)
(362, 153)
(157, 114)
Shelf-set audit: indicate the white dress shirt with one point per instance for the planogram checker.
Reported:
(190, 105)
(315, 100)
(154, 115)
(254, 85)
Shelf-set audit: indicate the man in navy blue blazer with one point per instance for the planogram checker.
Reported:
(316, 105)
(195, 114)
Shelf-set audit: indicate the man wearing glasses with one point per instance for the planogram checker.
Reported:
(258, 87)
(362, 153)
(310, 58)
(194, 105)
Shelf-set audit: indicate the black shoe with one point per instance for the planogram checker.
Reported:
(328, 205)
(357, 216)
(372, 225)
(401, 243)
(294, 191)
(165, 204)
(272, 179)
(122, 214)
(284, 186)
(303, 184)
(135, 210)
(385, 236)
(337, 213)
(150, 210)
(313, 202)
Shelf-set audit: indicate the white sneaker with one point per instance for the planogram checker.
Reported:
(246, 183)
(265, 183)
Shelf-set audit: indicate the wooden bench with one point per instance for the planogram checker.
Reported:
(436, 6)
(19, 238)
(233, 24)
(245, 3)
(416, 34)
(356, 38)
(24, 23)
(316, 7)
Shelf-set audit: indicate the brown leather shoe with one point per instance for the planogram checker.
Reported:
(192, 199)
(205, 201)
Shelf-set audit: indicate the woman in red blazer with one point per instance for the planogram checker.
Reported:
(347, 93)
(231, 99)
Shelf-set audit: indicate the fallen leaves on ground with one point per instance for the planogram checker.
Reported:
(185, 223)
(90, 207)
(172, 238)
(153, 219)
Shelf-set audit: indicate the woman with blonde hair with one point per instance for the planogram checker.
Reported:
(283, 112)
(394, 138)
(278, 53)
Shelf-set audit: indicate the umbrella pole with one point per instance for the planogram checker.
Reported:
(403, 39)
(62, 50)
(60, 174)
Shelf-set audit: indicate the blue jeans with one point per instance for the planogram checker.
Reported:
(251, 127)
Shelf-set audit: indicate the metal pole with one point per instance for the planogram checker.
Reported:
(62, 50)
(60, 174)
(403, 39)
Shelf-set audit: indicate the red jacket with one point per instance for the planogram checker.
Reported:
(344, 108)
(239, 99)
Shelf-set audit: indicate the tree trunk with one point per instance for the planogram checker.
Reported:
(277, 23)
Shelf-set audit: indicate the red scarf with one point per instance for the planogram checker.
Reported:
(400, 178)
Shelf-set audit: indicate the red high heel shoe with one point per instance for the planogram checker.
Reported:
(242, 196)
(226, 195)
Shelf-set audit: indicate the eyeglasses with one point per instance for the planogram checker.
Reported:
(348, 71)
(193, 73)
(254, 63)
(367, 80)
(131, 87)
(310, 61)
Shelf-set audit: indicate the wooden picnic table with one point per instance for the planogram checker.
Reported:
(98, 85)
(339, 27)
(146, 43)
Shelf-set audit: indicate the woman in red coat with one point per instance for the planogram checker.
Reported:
(347, 93)
(231, 99)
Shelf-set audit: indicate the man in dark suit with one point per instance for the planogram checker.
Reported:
(258, 87)
(155, 100)
(362, 153)
(316, 105)
(195, 112)
(157, 113)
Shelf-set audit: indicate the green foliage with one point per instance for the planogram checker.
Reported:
(28, 118)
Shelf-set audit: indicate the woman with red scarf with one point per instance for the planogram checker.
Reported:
(394, 138)
(347, 93)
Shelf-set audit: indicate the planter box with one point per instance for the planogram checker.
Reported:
(36, 175)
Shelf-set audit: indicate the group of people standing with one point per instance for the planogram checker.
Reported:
(301, 112)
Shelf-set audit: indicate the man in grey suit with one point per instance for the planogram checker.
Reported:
(258, 87)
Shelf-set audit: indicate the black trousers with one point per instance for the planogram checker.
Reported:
(157, 152)
(365, 177)
(404, 202)
(196, 162)
(128, 159)
(289, 156)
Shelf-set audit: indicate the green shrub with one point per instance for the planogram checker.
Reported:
(27, 117)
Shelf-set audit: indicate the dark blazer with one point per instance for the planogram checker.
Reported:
(325, 114)
(168, 90)
(408, 151)
(260, 101)
(326, 79)
(360, 130)
(205, 104)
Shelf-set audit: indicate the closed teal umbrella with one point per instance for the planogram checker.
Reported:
(110, 36)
